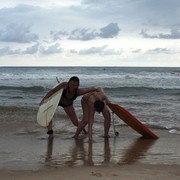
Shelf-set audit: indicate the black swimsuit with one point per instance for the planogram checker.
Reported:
(64, 101)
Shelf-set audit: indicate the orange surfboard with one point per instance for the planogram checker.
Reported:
(133, 122)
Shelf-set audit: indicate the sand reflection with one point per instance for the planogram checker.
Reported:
(81, 152)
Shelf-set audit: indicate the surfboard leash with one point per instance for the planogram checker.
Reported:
(57, 80)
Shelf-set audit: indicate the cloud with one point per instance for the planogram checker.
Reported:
(32, 50)
(21, 13)
(83, 28)
(136, 51)
(52, 49)
(110, 31)
(8, 51)
(82, 34)
(44, 50)
(58, 35)
(103, 50)
(158, 51)
(93, 50)
(19, 33)
(174, 34)
(136, 13)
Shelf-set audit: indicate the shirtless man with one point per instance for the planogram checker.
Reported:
(94, 102)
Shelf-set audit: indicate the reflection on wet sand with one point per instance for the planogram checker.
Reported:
(49, 149)
(79, 155)
(92, 154)
(136, 151)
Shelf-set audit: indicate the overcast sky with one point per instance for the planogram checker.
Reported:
(90, 33)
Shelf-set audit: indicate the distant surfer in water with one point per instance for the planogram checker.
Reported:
(94, 102)
(71, 91)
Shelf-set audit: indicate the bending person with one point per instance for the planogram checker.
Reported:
(91, 103)
(71, 91)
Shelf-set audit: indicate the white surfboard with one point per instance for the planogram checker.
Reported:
(48, 108)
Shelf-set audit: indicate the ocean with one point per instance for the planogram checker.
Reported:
(151, 94)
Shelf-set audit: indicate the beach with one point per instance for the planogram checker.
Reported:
(27, 153)
(150, 94)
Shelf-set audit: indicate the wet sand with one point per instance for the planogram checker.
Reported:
(128, 172)
(27, 153)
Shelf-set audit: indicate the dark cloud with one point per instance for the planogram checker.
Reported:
(19, 33)
(174, 34)
(110, 31)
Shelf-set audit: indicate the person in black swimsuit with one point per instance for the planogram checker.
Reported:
(65, 101)
(71, 91)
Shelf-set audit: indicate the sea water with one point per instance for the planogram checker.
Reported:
(151, 94)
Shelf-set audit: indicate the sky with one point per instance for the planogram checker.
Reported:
(142, 33)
